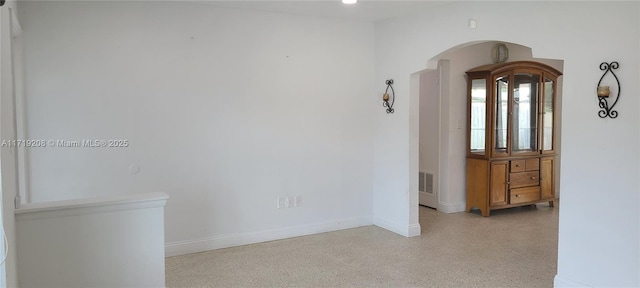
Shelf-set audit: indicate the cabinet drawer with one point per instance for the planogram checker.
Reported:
(525, 165)
(518, 165)
(532, 164)
(524, 179)
(523, 195)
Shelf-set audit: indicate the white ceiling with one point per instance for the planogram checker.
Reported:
(364, 10)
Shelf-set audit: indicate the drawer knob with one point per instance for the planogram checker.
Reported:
(517, 195)
(533, 177)
(517, 165)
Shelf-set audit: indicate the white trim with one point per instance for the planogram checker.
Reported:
(414, 149)
(231, 240)
(443, 68)
(414, 230)
(451, 208)
(407, 231)
(438, 174)
(19, 114)
(559, 282)
(16, 28)
(90, 206)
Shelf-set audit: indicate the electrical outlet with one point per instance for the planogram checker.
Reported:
(473, 23)
(290, 201)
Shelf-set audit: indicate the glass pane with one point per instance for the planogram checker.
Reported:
(525, 116)
(478, 115)
(501, 110)
(547, 120)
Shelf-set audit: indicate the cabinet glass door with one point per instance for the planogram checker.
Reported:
(501, 113)
(547, 115)
(525, 113)
(477, 140)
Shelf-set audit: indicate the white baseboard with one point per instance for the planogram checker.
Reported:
(560, 282)
(451, 208)
(407, 231)
(414, 230)
(225, 241)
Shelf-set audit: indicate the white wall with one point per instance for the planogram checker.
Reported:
(8, 25)
(106, 242)
(430, 126)
(225, 110)
(599, 220)
(77, 87)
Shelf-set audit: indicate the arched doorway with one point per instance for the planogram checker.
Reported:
(442, 137)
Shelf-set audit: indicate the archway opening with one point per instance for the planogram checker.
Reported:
(442, 94)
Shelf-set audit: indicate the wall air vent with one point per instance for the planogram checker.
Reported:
(425, 182)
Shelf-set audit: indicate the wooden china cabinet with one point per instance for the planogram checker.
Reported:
(511, 148)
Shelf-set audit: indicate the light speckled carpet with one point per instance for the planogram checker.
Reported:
(512, 248)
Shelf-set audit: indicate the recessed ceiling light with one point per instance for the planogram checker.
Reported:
(349, 1)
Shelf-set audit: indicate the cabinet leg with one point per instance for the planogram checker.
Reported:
(485, 212)
(551, 203)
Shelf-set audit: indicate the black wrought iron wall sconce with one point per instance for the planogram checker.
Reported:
(386, 97)
(604, 91)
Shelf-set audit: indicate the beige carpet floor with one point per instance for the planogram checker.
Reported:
(513, 248)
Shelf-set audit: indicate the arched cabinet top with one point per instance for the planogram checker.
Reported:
(498, 68)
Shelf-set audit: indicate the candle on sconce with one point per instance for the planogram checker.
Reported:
(603, 91)
(385, 97)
